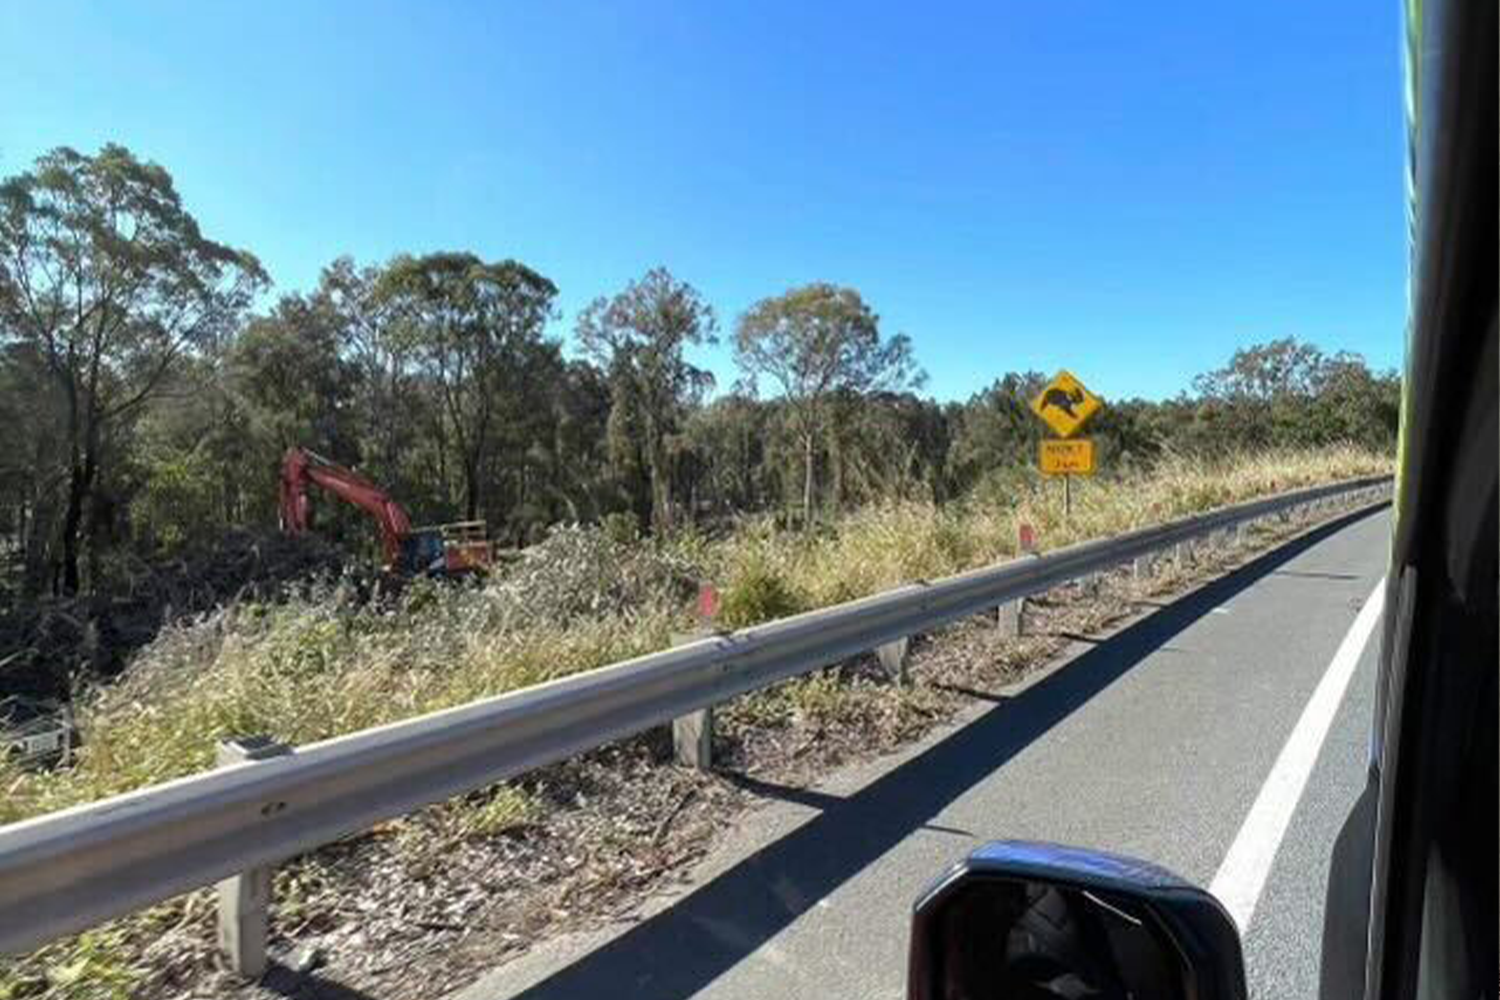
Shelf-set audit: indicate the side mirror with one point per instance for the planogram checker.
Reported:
(1027, 921)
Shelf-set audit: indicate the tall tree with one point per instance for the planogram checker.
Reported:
(31, 471)
(573, 466)
(819, 344)
(1278, 369)
(289, 368)
(108, 277)
(1287, 392)
(641, 337)
(382, 356)
(888, 445)
(996, 429)
(730, 437)
(477, 328)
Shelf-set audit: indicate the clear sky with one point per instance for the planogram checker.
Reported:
(1129, 190)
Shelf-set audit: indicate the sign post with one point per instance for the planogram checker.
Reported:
(1066, 405)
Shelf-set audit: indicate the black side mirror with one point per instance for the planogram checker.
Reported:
(1026, 921)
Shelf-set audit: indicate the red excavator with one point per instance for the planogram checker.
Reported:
(443, 550)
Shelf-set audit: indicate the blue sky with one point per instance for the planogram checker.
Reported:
(1127, 190)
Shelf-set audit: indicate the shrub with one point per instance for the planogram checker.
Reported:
(757, 591)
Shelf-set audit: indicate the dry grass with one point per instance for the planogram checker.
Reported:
(766, 575)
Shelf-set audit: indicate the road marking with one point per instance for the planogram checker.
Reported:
(1242, 876)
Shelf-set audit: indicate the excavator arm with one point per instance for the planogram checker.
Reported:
(301, 466)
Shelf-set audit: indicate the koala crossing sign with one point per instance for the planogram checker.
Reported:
(1066, 404)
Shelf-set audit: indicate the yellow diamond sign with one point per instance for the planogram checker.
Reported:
(1066, 405)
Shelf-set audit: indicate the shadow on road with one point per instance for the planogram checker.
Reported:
(679, 951)
(293, 985)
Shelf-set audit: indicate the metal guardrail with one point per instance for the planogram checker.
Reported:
(35, 732)
(69, 870)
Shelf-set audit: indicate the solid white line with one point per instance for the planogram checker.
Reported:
(1242, 876)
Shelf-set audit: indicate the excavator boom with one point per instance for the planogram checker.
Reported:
(446, 549)
(301, 466)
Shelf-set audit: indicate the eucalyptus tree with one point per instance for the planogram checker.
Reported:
(108, 278)
(821, 346)
(641, 337)
(477, 329)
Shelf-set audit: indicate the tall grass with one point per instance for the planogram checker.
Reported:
(306, 670)
(322, 664)
(766, 574)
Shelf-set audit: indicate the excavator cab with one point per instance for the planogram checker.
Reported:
(422, 554)
(446, 550)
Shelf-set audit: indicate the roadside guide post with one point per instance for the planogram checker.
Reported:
(693, 734)
(245, 899)
(1065, 405)
(1010, 617)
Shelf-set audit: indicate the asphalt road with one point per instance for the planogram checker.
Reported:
(1155, 742)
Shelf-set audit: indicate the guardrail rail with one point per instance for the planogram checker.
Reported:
(66, 871)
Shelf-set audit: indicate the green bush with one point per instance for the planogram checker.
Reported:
(622, 527)
(756, 592)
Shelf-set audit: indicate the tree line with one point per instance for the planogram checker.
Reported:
(148, 388)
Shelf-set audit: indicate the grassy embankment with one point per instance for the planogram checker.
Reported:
(322, 664)
(318, 665)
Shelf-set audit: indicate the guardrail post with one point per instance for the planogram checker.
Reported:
(693, 739)
(1010, 618)
(245, 899)
(693, 734)
(892, 656)
(1142, 567)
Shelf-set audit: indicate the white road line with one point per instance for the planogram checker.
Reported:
(1242, 876)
